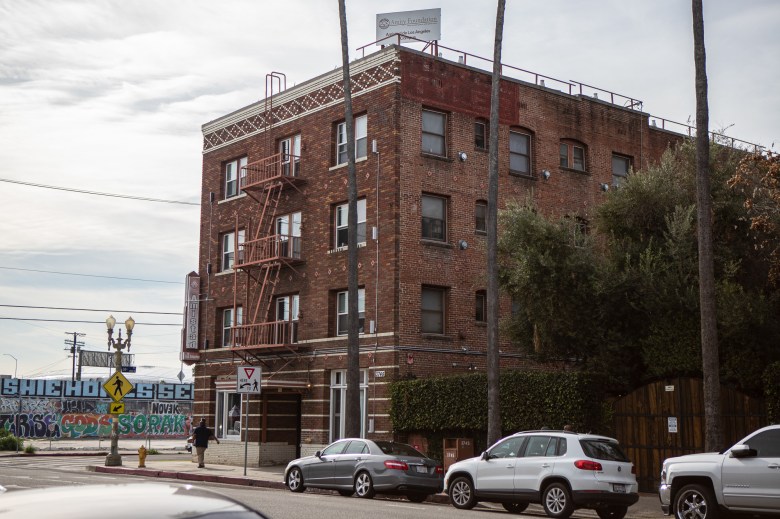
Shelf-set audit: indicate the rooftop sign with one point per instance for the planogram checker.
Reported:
(423, 25)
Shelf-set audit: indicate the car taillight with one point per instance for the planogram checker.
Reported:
(440, 470)
(588, 465)
(397, 465)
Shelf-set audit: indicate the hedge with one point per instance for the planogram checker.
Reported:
(772, 392)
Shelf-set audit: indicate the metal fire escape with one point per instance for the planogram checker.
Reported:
(267, 248)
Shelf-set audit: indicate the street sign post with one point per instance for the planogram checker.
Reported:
(248, 382)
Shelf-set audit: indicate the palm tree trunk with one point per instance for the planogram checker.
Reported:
(493, 360)
(713, 437)
(352, 417)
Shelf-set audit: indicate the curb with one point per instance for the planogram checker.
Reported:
(188, 476)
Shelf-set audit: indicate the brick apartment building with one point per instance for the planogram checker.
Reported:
(271, 285)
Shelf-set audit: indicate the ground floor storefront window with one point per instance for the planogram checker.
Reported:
(228, 417)
(338, 398)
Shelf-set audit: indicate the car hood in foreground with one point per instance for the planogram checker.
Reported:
(123, 501)
(706, 457)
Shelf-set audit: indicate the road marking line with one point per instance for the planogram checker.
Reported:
(407, 506)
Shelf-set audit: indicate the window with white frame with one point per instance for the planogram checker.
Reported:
(480, 135)
(228, 417)
(288, 235)
(361, 140)
(432, 310)
(230, 319)
(621, 165)
(572, 155)
(342, 311)
(235, 174)
(338, 397)
(434, 218)
(229, 249)
(434, 133)
(287, 311)
(341, 214)
(290, 151)
(519, 153)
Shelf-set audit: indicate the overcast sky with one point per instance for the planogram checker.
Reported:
(110, 95)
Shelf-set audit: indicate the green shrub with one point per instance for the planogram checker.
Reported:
(30, 449)
(772, 392)
(152, 452)
(9, 443)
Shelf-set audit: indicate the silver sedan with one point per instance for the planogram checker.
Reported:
(366, 467)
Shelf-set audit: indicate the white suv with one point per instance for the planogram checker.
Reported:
(561, 470)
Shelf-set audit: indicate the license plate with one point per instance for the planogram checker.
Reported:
(619, 487)
(422, 469)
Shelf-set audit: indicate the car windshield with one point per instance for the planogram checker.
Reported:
(603, 450)
(399, 449)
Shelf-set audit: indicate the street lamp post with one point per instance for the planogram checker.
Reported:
(19, 410)
(113, 459)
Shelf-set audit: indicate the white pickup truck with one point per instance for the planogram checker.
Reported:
(743, 478)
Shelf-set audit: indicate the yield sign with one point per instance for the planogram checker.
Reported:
(248, 379)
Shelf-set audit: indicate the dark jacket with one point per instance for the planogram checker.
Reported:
(201, 436)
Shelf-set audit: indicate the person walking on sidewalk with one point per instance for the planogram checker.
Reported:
(200, 439)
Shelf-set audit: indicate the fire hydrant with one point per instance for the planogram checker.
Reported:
(142, 457)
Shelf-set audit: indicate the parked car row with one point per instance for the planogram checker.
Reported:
(560, 470)
(563, 471)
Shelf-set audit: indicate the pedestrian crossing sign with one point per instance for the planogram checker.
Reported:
(117, 386)
(117, 408)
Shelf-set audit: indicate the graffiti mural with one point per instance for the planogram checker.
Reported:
(30, 415)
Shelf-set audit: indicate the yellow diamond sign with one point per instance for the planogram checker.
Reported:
(117, 386)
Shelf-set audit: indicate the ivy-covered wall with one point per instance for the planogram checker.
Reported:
(457, 406)
(772, 392)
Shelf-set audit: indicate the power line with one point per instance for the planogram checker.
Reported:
(90, 309)
(93, 275)
(83, 322)
(98, 193)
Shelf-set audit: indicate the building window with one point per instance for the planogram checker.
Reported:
(230, 319)
(290, 152)
(572, 156)
(480, 216)
(235, 174)
(520, 153)
(620, 168)
(228, 417)
(287, 311)
(361, 140)
(229, 249)
(342, 224)
(480, 135)
(288, 235)
(434, 126)
(342, 311)
(338, 397)
(432, 310)
(434, 218)
(480, 312)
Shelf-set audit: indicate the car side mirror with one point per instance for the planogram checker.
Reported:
(742, 451)
(318, 454)
(485, 456)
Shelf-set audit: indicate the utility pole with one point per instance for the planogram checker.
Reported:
(74, 348)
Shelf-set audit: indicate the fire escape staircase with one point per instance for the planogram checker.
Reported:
(262, 256)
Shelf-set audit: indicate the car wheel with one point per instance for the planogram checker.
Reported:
(695, 502)
(295, 480)
(515, 508)
(612, 512)
(364, 487)
(416, 498)
(346, 493)
(556, 501)
(462, 494)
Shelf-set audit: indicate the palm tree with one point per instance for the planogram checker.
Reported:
(494, 405)
(352, 403)
(713, 437)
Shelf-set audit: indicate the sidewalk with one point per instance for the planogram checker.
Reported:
(185, 469)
